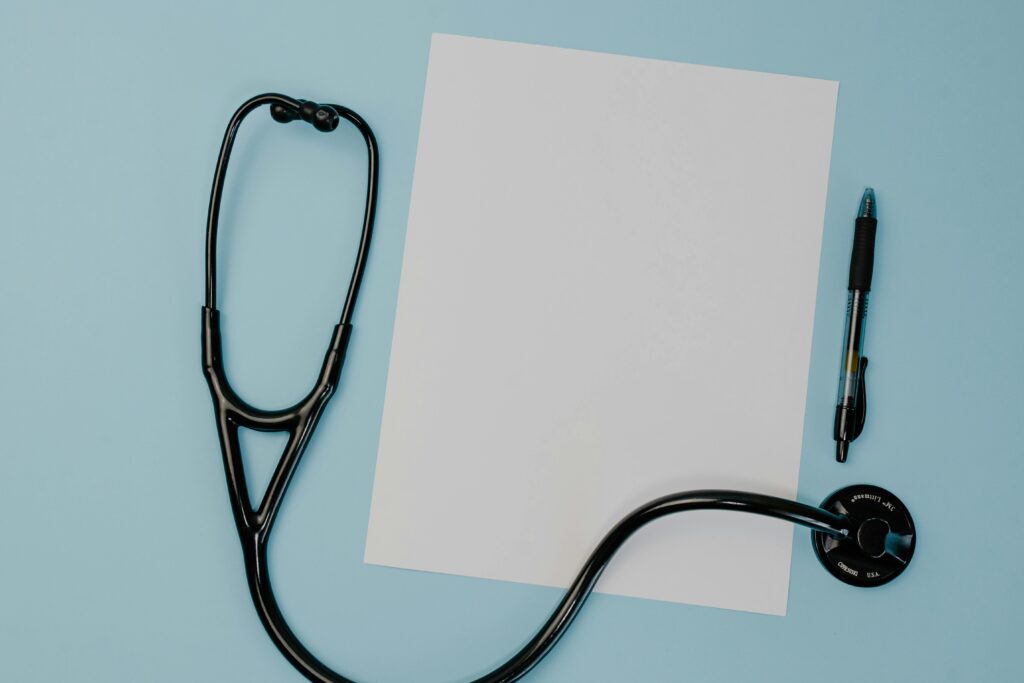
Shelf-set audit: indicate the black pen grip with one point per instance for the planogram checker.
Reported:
(862, 260)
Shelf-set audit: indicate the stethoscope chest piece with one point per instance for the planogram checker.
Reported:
(882, 542)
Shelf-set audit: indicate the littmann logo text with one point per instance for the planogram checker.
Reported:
(877, 499)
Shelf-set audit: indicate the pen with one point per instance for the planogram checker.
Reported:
(851, 404)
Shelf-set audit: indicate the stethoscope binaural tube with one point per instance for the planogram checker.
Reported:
(862, 534)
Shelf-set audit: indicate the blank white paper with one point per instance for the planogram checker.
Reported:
(607, 295)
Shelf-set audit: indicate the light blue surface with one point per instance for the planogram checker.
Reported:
(118, 557)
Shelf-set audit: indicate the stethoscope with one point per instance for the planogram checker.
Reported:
(863, 535)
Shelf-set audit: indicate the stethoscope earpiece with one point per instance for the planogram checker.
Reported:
(882, 540)
(323, 117)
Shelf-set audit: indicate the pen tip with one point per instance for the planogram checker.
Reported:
(867, 204)
(842, 447)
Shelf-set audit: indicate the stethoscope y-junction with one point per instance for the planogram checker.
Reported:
(862, 534)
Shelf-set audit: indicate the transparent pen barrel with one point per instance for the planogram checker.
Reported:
(853, 346)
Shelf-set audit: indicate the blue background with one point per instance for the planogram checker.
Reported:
(118, 557)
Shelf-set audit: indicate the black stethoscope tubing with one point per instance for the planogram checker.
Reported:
(254, 525)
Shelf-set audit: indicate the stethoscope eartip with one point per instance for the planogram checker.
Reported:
(323, 117)
(881, 543)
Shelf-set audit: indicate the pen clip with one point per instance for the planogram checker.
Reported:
(862, 401)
